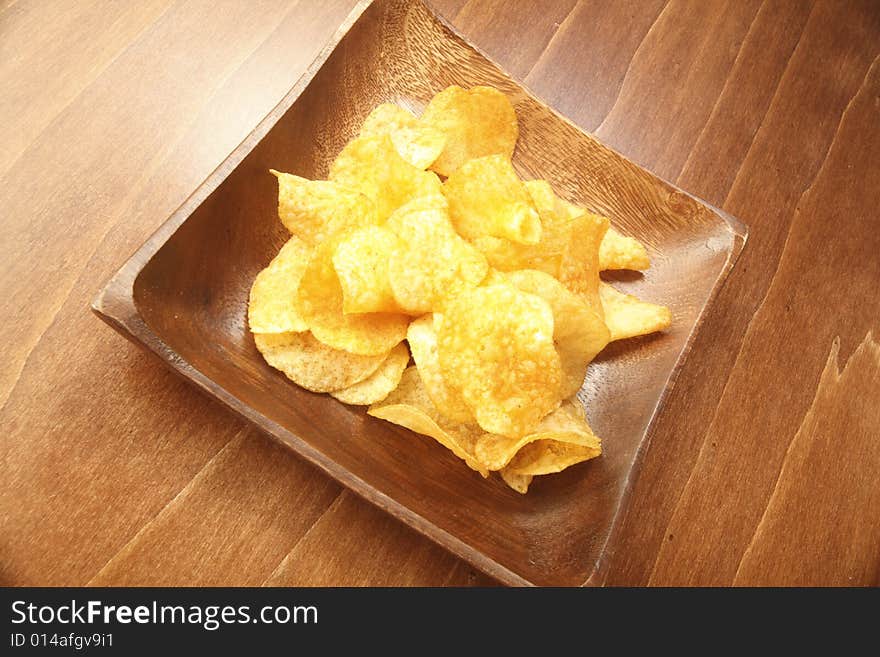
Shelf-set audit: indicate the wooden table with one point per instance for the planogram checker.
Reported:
(763, 467)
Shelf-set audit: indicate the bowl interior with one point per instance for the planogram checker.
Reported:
(192, 294)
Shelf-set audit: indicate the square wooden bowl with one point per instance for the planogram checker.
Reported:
(184, 296)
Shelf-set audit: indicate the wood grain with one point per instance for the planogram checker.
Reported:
(592, 32)
(800, 297)
(821, 506)
(367, 541)
(250, 521)
(817, 95)
(99, 441)
(93, 451)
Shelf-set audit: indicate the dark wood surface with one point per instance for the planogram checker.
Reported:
(762, 467)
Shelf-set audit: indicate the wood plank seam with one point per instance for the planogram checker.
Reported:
(720, 96)
(832, 377)
(5, 394)
(337, 501)
(677, 178)
(149, 171)
(705, 441)
(556, 33)
(630, 65)
(831, 370)
(768, 111)
(833, 141)
(97, 76)
(819, 171)
(191, 483)
(136, 190)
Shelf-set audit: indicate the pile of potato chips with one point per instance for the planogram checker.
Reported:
(489, 282)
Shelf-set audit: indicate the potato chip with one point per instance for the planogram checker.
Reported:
(579, 331)
(519, 483)
(571, 209)
(495, 345)
(579, 268)
(272, 307)
(487, 198)
(556, 220)
(618, 251)
(564, 426)
(547, 201)
(417, 142)
(371, 165)
(409, 406)
(493, 282)
(628, 316)
(380, 383)
(361, 262)
(505, 255)
(494, 277)
(320, 303)
(312, 364)
(431, 262)
(548, 457)
(546, 255)
(477, 122)
(315, 209)
(422, 338)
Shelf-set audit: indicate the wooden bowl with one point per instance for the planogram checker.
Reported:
(184, 296)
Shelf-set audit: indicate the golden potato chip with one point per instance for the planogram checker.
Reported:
(380, 383)
(621, 252)
(361, 262)
(417, 142)
(409, 406)
(566, 425)
(422, 338)
(546, 255)
(477, 122)
(493, 282)
(505, 255)
(579, 268)
(569, 440)
(494, 277)
(272, 307)
(431, 262)
(628, 316)
(571, 209)
(616, 251)
(549, 456)
(519, 483)
(315, 209)
(556, 220)
(487, 198)
(579, 331)
(371, 165)
(320, 304)
(495, 345)
(312, 364)
(547, 201)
